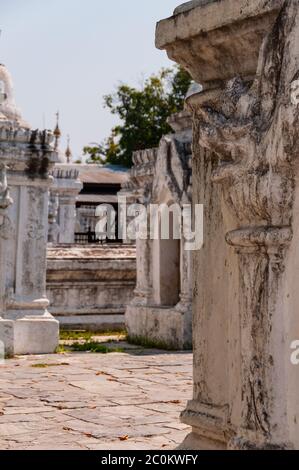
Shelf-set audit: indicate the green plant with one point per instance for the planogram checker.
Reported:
(148, 343)
(143, 114)
(74, 335)
(94, 347)
(66, 335)
(44, 365)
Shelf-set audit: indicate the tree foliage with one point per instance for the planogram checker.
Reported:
(142, 114)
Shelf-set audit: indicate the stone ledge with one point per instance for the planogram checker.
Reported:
(79, 252)
(218, 40)
(100, 322)
(202, 18)
(190, 5)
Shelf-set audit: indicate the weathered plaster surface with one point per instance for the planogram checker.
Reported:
(245, 172)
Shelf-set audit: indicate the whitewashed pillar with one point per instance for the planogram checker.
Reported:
(245, 172)
(6, 326)
(66, 187)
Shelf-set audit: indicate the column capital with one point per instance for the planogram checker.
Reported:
(217, 40)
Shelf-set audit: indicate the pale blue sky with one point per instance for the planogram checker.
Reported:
(67, 54)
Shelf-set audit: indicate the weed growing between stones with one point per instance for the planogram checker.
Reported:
(148, 343)
(87, 335)
(94, 347)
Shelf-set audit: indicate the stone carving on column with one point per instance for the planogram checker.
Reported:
(5, 202)
(253, 129)
(245, 170)
(53, 233)
(5, 199)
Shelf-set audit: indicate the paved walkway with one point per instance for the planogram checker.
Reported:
(94, 401)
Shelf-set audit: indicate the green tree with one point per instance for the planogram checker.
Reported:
(143, 116)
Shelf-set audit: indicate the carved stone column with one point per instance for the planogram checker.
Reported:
(185, 304)
(245, 170)
(6, 326)
(66, 186)
(53, 232)
(140, 190)
(23, 242)
(143, 291)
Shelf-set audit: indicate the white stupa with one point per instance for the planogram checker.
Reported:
(9, 113)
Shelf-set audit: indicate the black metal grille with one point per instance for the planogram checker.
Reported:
(86, 238)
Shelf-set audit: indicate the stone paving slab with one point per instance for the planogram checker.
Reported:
(125, 401)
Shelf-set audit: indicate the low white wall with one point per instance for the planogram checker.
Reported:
(89, 287)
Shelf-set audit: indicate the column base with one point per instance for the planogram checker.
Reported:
(163, 327)
(210, 430)
(141, 297)
(138, 301)
(36, 334)
(7, 337)
(35, 330)
(185, 309)
(195, 441)
(243, 443)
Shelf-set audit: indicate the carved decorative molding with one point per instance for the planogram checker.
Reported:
(5, 199)
(253, 130)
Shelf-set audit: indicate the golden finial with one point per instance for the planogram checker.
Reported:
(57, 132)
(68, 152)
